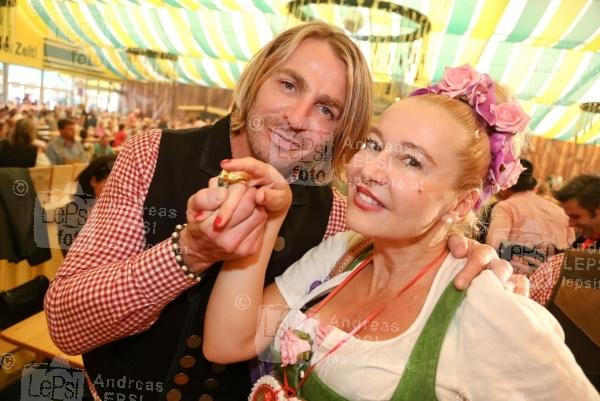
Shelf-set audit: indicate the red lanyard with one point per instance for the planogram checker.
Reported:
(588, 243)
(292, 391)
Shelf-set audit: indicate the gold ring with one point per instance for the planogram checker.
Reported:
(227, 178)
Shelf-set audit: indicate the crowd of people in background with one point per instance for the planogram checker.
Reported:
(32, 135)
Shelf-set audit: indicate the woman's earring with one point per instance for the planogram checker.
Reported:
(449, 221)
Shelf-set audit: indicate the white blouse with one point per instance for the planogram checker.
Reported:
(499, 346)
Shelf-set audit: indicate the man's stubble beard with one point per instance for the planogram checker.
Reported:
(261, 148)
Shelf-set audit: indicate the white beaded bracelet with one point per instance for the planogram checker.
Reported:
(179, 258)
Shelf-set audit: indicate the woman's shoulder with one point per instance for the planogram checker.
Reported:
(488, 300)
(315, 266)
(508, 321)
(504, 343)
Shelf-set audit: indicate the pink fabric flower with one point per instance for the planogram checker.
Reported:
(292, 347)
(482, 96)
(510, 117)
(321, 331)
(502, 122)
(505, 168)
(510, 174)
(501, 147)
(455, 81)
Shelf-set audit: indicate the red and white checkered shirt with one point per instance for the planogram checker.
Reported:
(111, 285)
(543, 280)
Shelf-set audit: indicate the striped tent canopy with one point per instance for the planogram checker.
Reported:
(547, 52)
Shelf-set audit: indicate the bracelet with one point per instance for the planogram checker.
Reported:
(179, 258)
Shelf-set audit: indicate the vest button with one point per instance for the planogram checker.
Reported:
(193, 341)
(187, 361)
(279, 244)
(181, 379)
(211, 383)
(205, 397)
(218, 368)
(174, 395)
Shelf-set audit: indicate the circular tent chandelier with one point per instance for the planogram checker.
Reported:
(590, 107)
(410, 19)
(588, 119)
(391, 36)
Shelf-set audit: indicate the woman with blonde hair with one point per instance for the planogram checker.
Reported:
(19, 150)
(392, 326)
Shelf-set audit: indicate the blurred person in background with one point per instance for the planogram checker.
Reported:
(103, 148)
(65, 149)
(13, 117)
(198, 122)
(132, 119)
(90, 120)
(120, 136)
(554, 181)
(3, 130)
(90, 182)
(163, 123)
(19, 150)
(83, 135)
(100, 130)
(579, 267)
(524, 219)
(543, 190)
(580, 199)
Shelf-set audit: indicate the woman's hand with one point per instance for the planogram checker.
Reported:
(230, 332)
(273, 191)
(206, 239)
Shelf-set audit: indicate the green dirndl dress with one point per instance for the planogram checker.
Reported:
(417, 381)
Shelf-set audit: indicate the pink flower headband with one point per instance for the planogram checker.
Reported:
(503, 120)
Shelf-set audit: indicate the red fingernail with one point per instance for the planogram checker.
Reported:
(217, 222)
(199, 215)
(225, 161)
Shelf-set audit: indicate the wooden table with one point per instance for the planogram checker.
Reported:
(32, 334)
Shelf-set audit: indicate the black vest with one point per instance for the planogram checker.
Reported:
(166, 361)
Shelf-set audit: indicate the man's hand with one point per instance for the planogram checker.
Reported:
(519, 284)
(209, 238)
(480, 257)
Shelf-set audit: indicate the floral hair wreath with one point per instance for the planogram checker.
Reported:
(503, 121)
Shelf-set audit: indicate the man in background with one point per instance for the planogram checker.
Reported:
(580, 199)
(65, 149)
(568, 284)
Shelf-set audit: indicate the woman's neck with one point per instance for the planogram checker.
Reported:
(395, 262)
